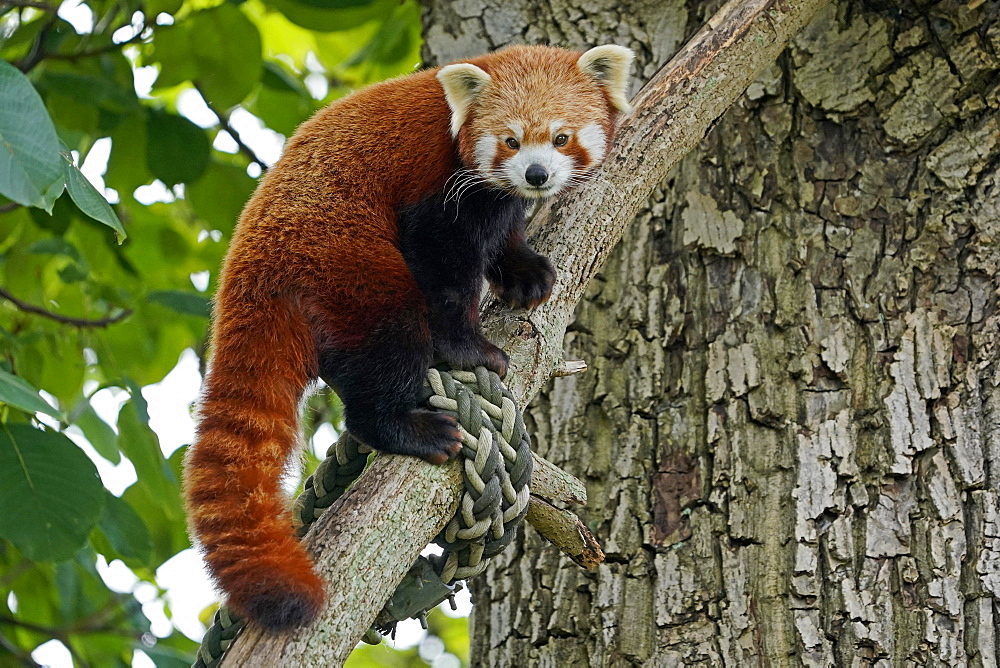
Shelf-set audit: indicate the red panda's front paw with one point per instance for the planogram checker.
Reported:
(525, 284)
(436, 436)
(469, 352)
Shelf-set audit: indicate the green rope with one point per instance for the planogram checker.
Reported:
(220, 635)
(497, 471)
(345, 462)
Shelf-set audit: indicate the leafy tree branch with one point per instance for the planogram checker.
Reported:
(64, 319)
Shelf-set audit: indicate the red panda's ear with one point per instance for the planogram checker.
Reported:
(609, 64)
(462, 83)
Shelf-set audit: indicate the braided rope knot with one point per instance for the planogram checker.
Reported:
(497, 469)
(496, 472)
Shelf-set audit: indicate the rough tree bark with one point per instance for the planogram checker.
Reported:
(791, 426)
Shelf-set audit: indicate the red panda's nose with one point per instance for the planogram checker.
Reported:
(536, 175)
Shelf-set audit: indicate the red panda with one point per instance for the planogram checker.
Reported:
(359, 260)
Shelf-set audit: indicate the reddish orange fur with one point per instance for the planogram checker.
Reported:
(315, 264)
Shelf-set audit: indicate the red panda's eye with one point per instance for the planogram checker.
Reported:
(560, 140)
(513, 143)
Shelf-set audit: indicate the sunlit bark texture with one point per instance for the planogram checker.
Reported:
(791, 426)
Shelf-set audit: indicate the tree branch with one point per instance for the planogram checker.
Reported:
(64, 319)
(371, 536)
(43, 6)
(59, 633)
(97, 51)
(22, 655)
(38, 53)
(224, 124)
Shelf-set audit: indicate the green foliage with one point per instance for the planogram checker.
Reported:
(177, 150)
(18, 393)
(33, 170)
(444, 635)
(56, 488)
(217, 49)
(29, 147)
(97, 294)
(86, 197)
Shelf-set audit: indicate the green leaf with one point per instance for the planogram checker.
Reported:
(155, 7)
(17, 45)
(73, 119)
(337, 4)
(99, 433)
(17, 392)
(141, 405)
(164, 518)
(394, 40)
(139, 443)
(188, 303)
(54, 361)
(51, 496)
(170, 651)
(278, 77)
(86, 197)
(71, 272)
(52, 193)
(89, 95)
(55, 247)
(282, 102)
(58, 221)
(220, 194)
(127, 166)
(125, 530)
(82, 593)
(327, 20)
(177, 150)
(172, 49)
(30, 165)
(218, 49)
(166, 657)
(91, 88)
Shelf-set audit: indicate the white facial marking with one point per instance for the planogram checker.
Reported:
(484, 152)
(592, 138)
(517, 131)
(554, 127)
(558, 166)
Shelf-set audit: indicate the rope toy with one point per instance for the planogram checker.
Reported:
(496, 470)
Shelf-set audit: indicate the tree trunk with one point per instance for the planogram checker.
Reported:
(790, 431)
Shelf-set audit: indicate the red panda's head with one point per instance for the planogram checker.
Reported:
(535, 119)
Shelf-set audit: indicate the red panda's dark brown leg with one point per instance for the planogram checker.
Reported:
(520, 277)
(379, 375)
(458, 340)
(448, 245)
(379, 385)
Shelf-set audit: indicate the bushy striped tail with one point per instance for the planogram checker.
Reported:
(246, 437)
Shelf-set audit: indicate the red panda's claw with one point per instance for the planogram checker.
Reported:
(436, 436)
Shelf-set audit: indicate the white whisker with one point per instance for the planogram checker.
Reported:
(459, 182)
